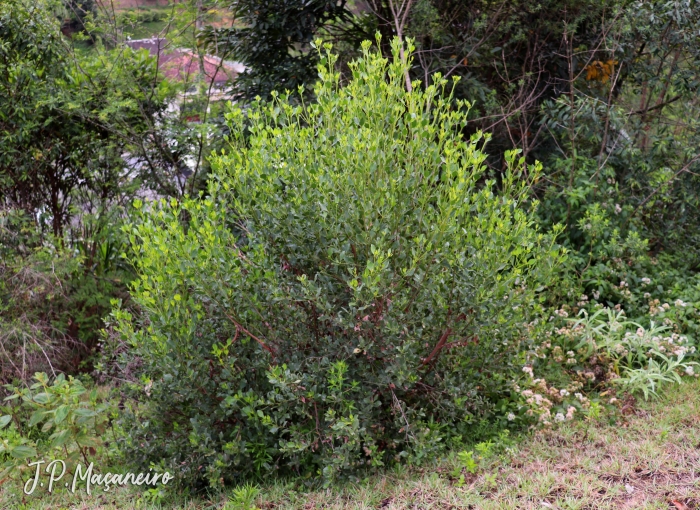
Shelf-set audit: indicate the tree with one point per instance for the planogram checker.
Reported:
(273, 39)
(66, 122)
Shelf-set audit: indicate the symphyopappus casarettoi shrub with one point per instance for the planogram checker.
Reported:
(351, 291)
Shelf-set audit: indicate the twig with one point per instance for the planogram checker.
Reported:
(438, 346)
(656, 106)
(251, 335)
(398, 405)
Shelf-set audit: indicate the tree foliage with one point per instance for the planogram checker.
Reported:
(62, 118)
(273, 39)
(66, 122)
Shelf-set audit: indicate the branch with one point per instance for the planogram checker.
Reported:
(438, 346)
(684, 169)
(655, 107)
(251, 335)
(402, 12)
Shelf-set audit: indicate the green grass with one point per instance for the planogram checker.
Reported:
(147, 30)
(644, 458)
(144, 28)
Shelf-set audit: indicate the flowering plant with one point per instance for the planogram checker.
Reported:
(638, 358)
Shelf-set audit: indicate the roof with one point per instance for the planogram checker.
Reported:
(184, 65)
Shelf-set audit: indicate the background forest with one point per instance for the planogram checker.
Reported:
(395, 230)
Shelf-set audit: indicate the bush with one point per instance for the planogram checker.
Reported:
(583, 363)
(639, 359)
(49, 420)
(349, 294)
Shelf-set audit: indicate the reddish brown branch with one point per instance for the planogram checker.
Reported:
(251, 335)
(438, 346)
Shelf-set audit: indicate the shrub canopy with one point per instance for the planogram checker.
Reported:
(350, 293)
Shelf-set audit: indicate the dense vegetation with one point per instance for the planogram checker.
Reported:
(339, 316)
(485, 220)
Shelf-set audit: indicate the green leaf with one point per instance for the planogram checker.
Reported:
(60, 438)
(61, 414)
(6, 472)
(36, 417)
(4, 420)
(82, 412)
(23, 452)
(41, 398)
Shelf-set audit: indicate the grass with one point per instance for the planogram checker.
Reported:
(148, 29)
(143, 29)
(647, 459)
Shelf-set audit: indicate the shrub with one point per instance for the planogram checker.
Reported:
(139, 16)
(349, 293)
(49, 420)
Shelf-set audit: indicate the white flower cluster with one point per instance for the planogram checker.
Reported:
(540, 398)
(570, 413)
(620, 349)
(655, 308)
(583, 399)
